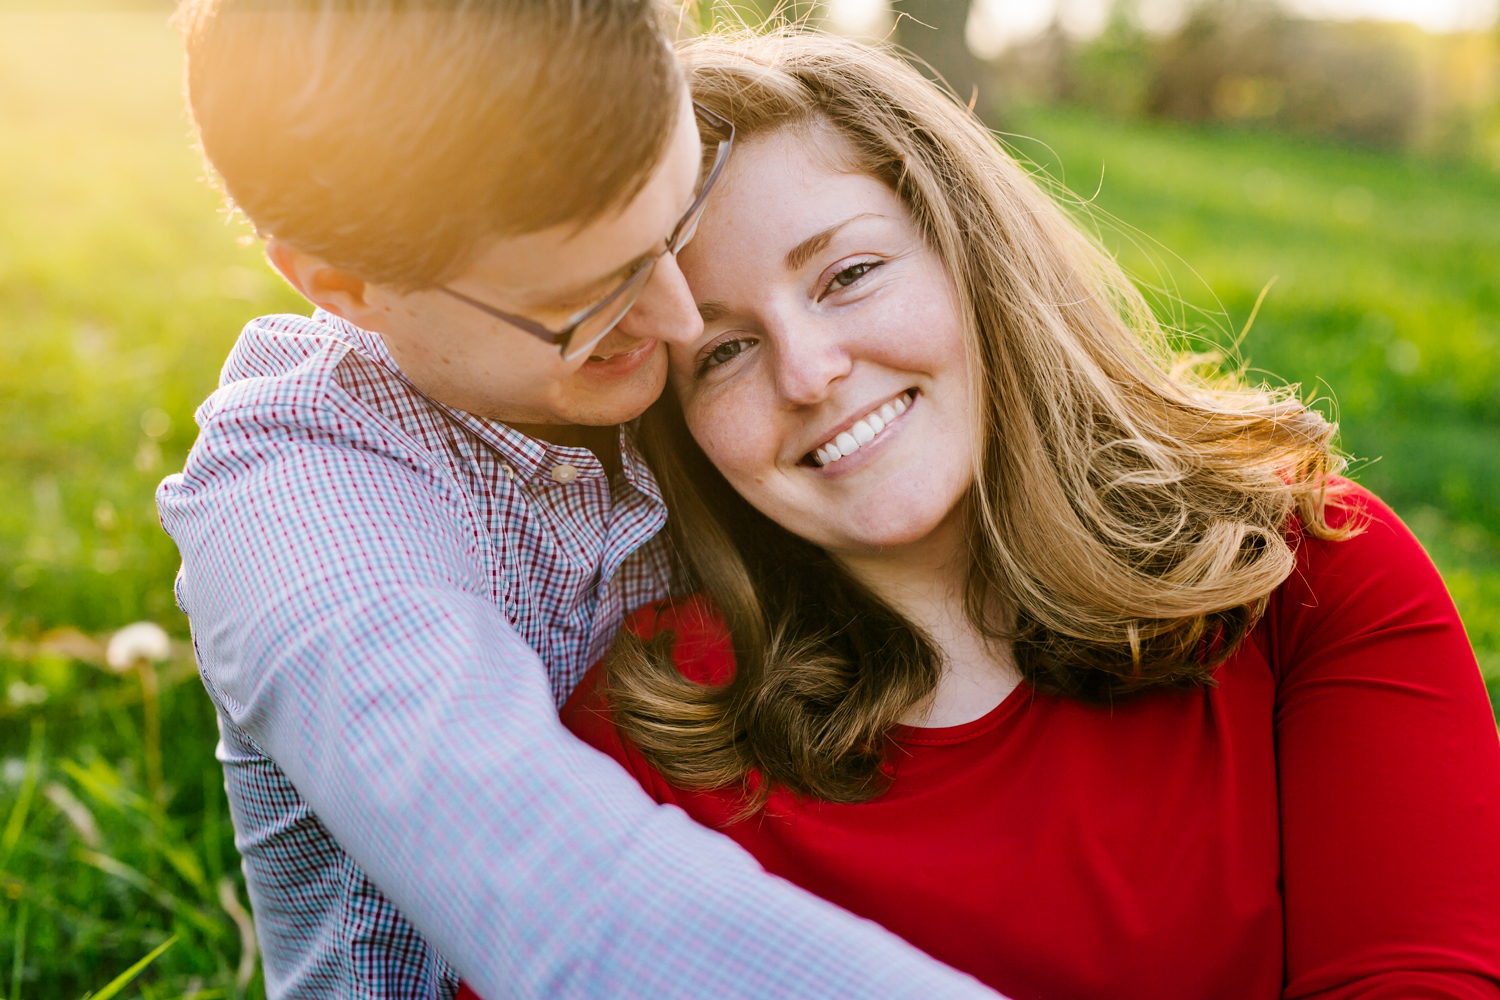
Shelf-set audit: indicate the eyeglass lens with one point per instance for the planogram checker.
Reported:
(596, 327)
(689, 227)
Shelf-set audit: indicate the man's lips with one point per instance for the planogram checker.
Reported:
(617, 363)
(615, 343)
(600, 352)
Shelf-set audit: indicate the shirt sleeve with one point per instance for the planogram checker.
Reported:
(344, 621)
(1389, 769)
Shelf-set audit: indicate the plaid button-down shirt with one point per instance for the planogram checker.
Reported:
(389, 598)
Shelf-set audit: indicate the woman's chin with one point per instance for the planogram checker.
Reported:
(882, 532)
(926, 513)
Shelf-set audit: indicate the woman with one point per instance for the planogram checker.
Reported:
(1076, 669)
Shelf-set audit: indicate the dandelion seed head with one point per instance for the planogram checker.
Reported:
(137, 642)
(22, 694)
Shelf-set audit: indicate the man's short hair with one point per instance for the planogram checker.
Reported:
(393, 137)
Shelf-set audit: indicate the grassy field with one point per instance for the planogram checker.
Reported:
(121, 290)
(122, 287)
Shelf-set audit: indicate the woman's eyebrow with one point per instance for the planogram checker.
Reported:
(711, 311)
(804, 251)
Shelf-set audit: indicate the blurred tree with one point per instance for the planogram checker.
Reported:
(1042, 70)
(935, 31)
(1249, 62)
(1112, 71)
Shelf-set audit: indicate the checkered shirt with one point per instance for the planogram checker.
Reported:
(389, 598)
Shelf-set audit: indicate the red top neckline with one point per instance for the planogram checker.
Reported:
(964, 731)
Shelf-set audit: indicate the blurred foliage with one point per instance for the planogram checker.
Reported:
(94, 872)
(1249, 64)
(121, 290)
(1244, 62)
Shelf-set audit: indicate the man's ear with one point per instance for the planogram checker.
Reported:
(320, 283)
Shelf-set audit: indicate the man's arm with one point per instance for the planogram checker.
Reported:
(342, 616)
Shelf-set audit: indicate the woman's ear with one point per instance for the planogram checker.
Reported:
(320, 283)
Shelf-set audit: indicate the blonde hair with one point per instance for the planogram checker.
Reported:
(1131, 516)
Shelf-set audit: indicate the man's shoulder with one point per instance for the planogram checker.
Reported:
(284, 441)
(286, 397)
(314, 379)
(279, 361)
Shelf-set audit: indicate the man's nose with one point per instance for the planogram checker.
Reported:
(665, 310)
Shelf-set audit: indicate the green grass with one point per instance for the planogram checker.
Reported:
(122, 288)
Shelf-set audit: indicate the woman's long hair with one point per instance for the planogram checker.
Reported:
(1129, 516)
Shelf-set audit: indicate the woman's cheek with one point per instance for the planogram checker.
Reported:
(735, 455)
(732, 439)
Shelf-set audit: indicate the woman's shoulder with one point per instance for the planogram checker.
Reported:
(1370, 574)
(1365, 536)
(702, 647)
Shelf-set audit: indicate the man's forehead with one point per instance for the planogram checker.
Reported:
(569, 260)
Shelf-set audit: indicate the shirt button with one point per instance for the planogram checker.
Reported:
(509, 472)
(564, 473)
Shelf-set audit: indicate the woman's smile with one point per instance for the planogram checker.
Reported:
(830, 385)
(863, 434)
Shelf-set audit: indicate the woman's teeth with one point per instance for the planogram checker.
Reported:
(865, 430)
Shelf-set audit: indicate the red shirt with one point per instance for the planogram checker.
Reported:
(1324, 822)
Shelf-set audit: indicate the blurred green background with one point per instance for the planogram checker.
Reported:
(123, 284)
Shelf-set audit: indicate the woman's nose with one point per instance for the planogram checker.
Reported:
(665, 310)
(809, 360)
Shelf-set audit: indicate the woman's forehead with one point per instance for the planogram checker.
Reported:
(785, 182)
(814, 149)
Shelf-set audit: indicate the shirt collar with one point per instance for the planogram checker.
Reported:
(525, 458)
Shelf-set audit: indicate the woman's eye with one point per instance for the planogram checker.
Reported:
(851, 274)
(722, 353)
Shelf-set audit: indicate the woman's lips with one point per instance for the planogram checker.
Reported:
(864, 431)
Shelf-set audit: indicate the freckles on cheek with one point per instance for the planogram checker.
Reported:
(738, 455)
(723, 449)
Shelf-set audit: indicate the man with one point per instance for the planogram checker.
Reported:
(409, 523)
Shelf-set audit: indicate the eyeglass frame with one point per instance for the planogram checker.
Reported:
(676, 241)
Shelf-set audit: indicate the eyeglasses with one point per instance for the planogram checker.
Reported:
(586, 328)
